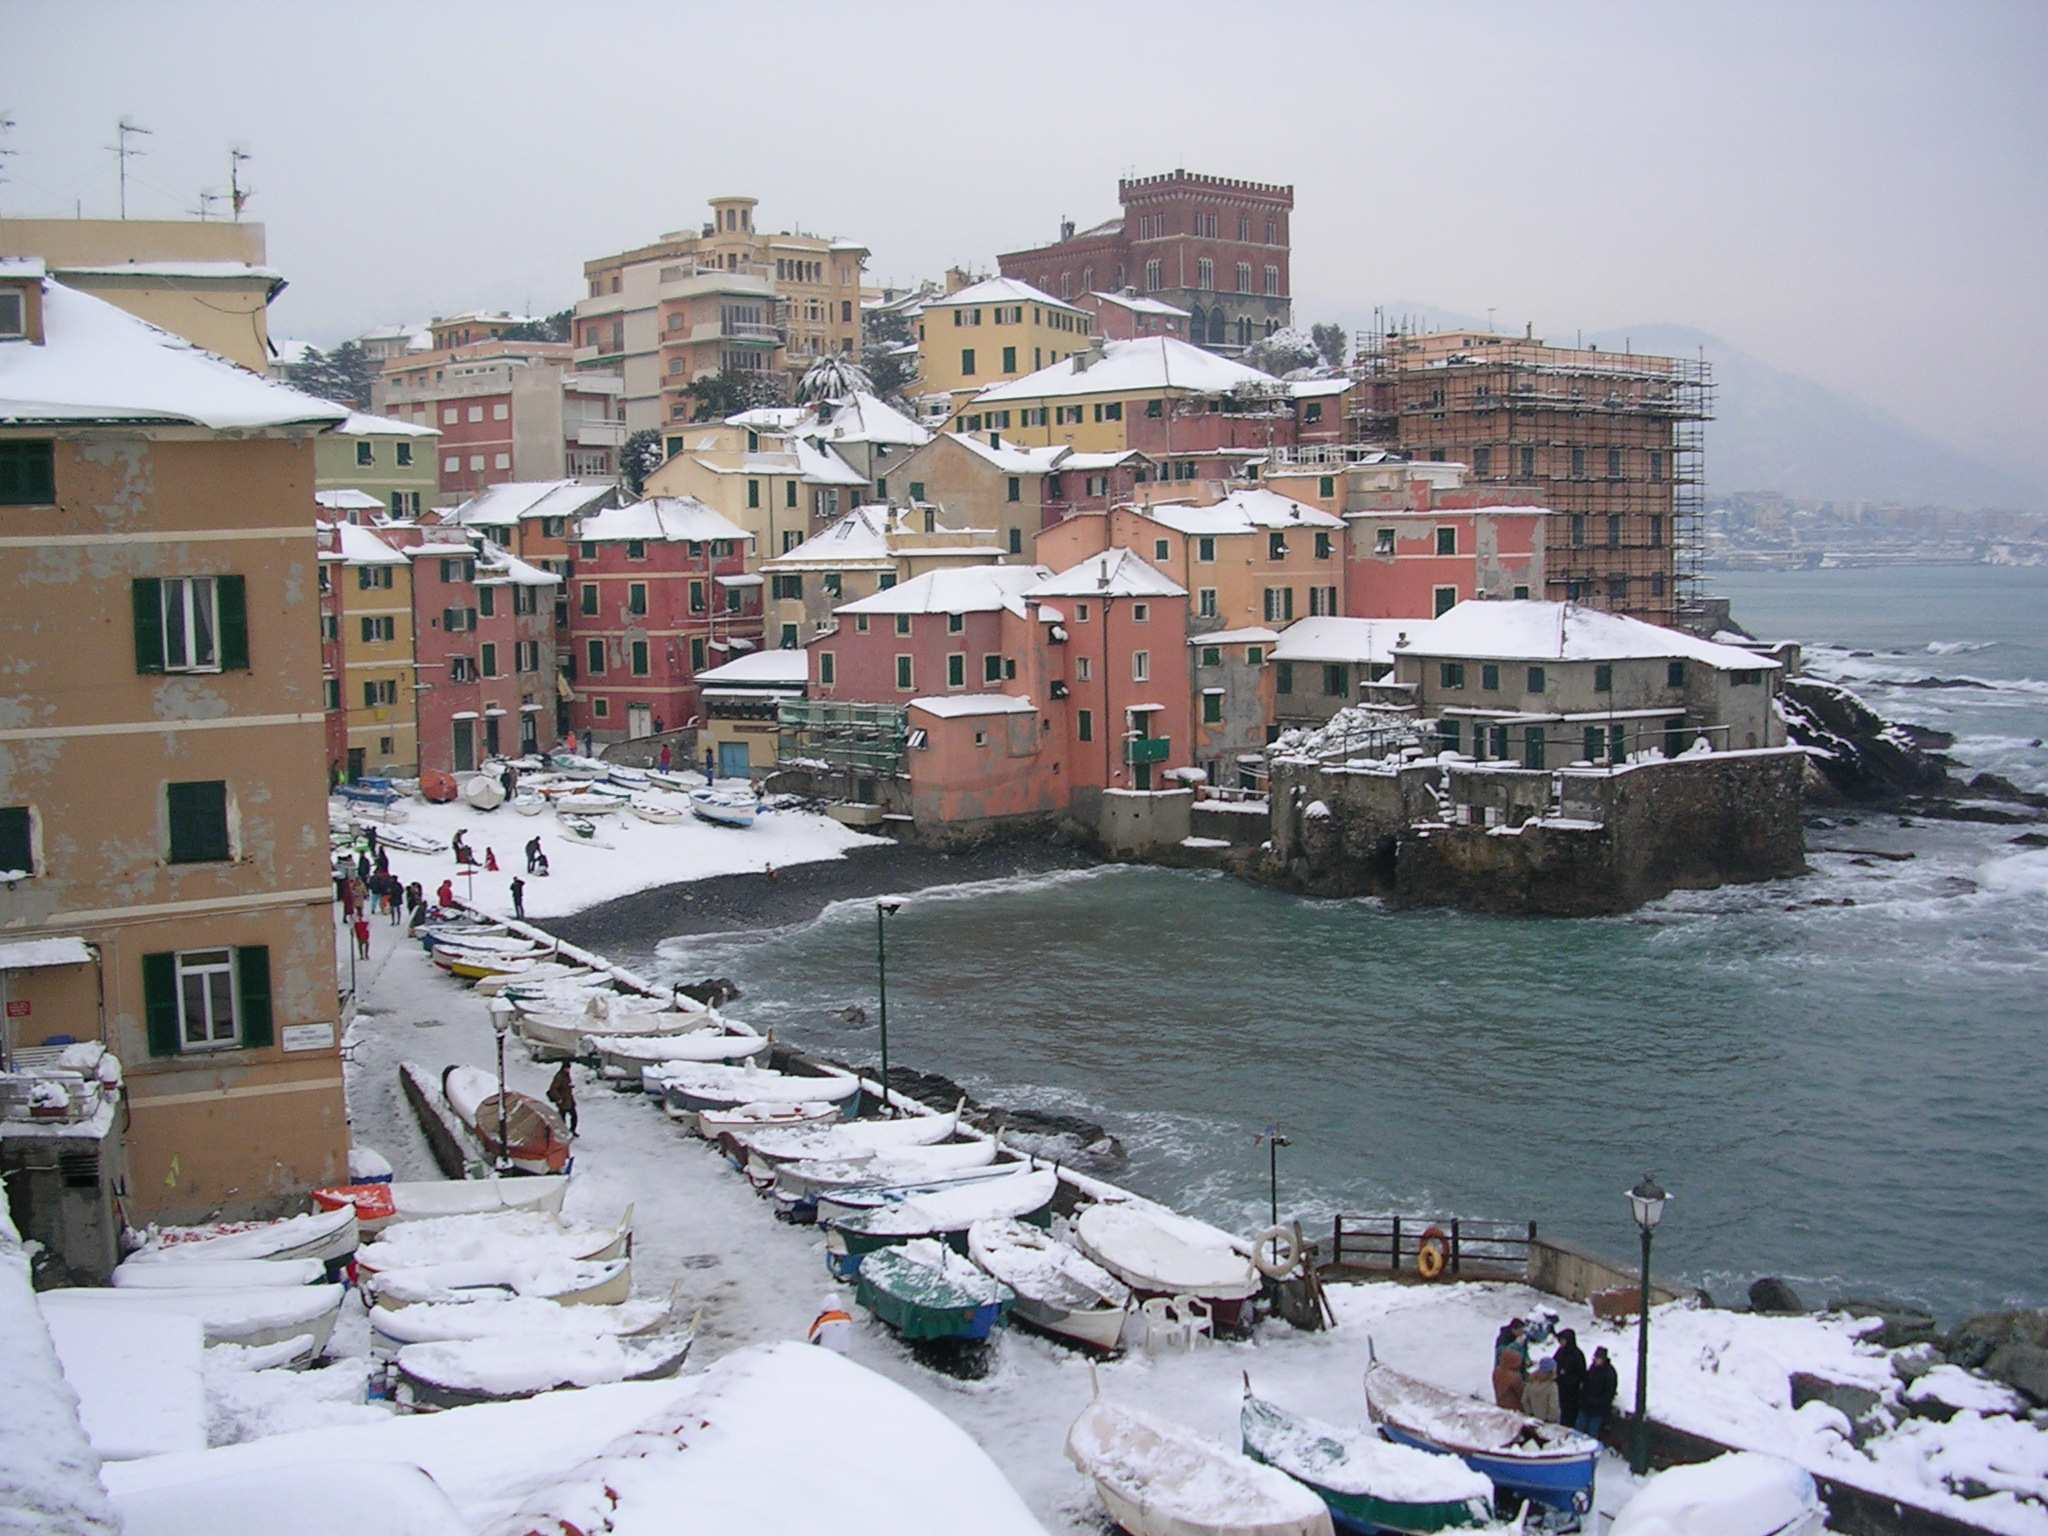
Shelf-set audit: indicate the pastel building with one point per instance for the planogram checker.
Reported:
(1126, 314)
(371, 685)
(507, 410)
(870, 549)
(759, 474)
(384, 458)
(486, 646)
(1320, 665)
(1409, 563)
(992, 331)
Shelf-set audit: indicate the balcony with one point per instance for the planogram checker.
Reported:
(1147, 749)
(598, 434)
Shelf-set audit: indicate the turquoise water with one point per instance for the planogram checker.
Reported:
(1845, 1095)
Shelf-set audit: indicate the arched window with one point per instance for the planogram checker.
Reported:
(1066, 285)
(1195, 320)
(1244, 277)
(1205, 274)
(1216, 325)
(1244, 333)
(1151, 277)
(1087, 279)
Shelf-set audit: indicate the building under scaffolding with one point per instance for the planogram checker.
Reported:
(1612, 442)
(865, 742)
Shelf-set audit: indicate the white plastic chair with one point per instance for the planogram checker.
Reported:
(1197, 1317)
(1175, 1322)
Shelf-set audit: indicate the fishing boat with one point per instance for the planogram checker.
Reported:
(326, 1236)
(730, 1128)
(925, 1291)
(692, 1087)
(582, 829)
(502, 1235)
(483, 792)
(941, 1211)
(535, 1139)
(769, 1147)
(1158, 1253)
(723, 808)
(463, 1373)
(1059, 1291)
(255, 1317)
(655, 813)
(1741, 1493)
(798, 1184)
(377, 1206)
(470, 934)
(604, 1283)
(673, 781)
(559, 1036)
(368, 792)
(625, 777)
(476, 964)
(216, 1274)
(528, 804)
(571, 765)
(391, 1329)
(1158, 1478)
(406, 841)
(539, 971)
(623, 1059)
(1525, 1458)
(585, 803)
(1371, 1486)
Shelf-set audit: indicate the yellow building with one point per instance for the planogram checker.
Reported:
(757, 473)
(162, 794)
(869, 549)
(991, 332)
(376, 675)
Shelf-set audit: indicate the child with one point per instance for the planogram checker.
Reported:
(490, 860)
(362, 936)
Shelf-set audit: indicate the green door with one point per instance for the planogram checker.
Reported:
(1532, 746)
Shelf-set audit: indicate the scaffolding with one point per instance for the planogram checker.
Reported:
(863, 741)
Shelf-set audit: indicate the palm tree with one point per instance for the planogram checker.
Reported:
(833, 377)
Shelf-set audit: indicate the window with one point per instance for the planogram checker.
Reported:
(1528, 456)
(1084, 721)
(589, 605)
(1578, 463)
(1322, 600)
(1656, 463)
(488, 653)
(197, 814)
(956, 670)
(1141, 666)
(1009, 359)
(1451, 674)
(1521, 594)
(1336, 679)
(376, 629)
(636, 549)
(17, 840)
(992, 669)
(487, 601)
(191, 624)
(1656, 530)
(1603, 677)
(904, 674)
(366, 453)
(1578, 530)
(636, 597)
(1211, 656)
(697, 653)
(1141, 613)
(1276, 546)
(206, 999)
(967, 362)
(476, 413)
(589, 552)
(828, 668)
(1016, 541)
(1674, 674)
(1383, 541)
(333, 702)
(1205, 273)
(1080, 613)
(1279, 604)
(1489, 677)
(1326, 485)
(1447, 736)
(1254, 655)
(1084, 669)
(696, 597)
(1532, 747)
(1447, 541)
(1205, 602)
(500, 411)
(461, 670)
(1482, 462)
(593, 657)
(526, 655)
(902, 623)
(1614, 463)
(639, 655)
(1283, 677)
(1273, 281)
(1614, 530)
(403, 451)
(1746, 679)
(1151, 286)
(380, 694)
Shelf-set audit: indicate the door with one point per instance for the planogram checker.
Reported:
(465, 745)
(355, 763)
(529, 731)
(639, 721)
(1532, 747)
(732, 760)
(491, 736)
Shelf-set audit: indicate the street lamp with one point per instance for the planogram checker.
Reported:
(1646, 1202)
(1274, 1142)
(884, 910)
(502, 1022)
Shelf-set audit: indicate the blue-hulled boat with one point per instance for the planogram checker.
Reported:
(369, 792)
(1372, 1487)
(925, 1291)
(1524, 1458)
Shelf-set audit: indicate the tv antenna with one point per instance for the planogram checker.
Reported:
(238, 194)
(121, 151)
(6, 127)
(206, 201)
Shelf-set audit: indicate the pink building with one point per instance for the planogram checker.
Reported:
(660, 593)
(1123, 315)
(484, 642)
(1413, 563)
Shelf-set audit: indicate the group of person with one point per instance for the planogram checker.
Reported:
(367, 889)
(1562, 1387)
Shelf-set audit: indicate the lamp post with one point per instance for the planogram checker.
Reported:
(501, 1022)
(884, 910)
(1646, 1203)
(1274, 1142)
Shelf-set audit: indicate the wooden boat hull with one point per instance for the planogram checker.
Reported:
(328, 1238)
(919, 1303)
(1269, 1433)
(535, 1138)
(258, 1318)
(393, 1289)
(415, 1391)
(1066, 1315)
(376, 1206)
(722, 1125)
(1559, 1478)
(1159, 1479)
(721, 810)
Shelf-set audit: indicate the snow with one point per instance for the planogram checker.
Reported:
(360, 546)
(1741, 1492)
(1252, 509)
(1530, 630)
(387, 1498)
(960, 706)
(100, 363)
(507, 504)
(1139, 304)
(963, 589)
(860, 537)
(1253, 636)
(1013, 458)
(783, 667)
(956, 1207)
(749, 1084)
(823, 466)
(1156, 1250)
(241, 1240)
(1168, 1470)
(224, 1275)
(505, 1364)
(676, 519)
(999, 290)
(518, 1270)
(38, 954)
(228, 1316)
(1958, 1388)
(136, 1375)
(1356, 1461)
(524, 1316)
(348, 501)
(1113, 573)
(493, 1237)
(1148, 363)
(362, 424)
(176, 269)
(1365, 642)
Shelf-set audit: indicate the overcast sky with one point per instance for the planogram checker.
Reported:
(1852, 192)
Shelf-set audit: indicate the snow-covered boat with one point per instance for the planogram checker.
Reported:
(574, 996)
(571, 765)
(602, 1283)
(585, 803)
(655, 813)
(933, 1210)
(798, 1184)
(217, 1274)
(477, 936)
(501, 1235)
(624, 1059)
(503, 1369)
(581, 829)
(326, 1236)
(681, 782)
(691, 1088)
(528, 804)
(560, 1036)
(1158, 1478)
(731, 1127)
(252, 1316)
(476, 964)
(1525, 1458)
(483, 792)
(769, 1147)
(368, 792)
(625, 777)
(377, 1206)
(406, 841)
(540, 972)
(1743, 1493)
(722, 808)
(1158, 1253)
(391, 1329)
(1370, 1485)
(1058, 1290)
(535, 1139)
(925, 1291)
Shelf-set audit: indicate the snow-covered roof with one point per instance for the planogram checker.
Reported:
(676, 519)
(1329, 638)
(1249, 510)
(40, 954)
(859, 538)
(963, 589)
(823, 466)
(1435, 514)
(763, 669)
(1137, 303)
(999, 290)
(770, 418)
(348, 501)
(360, 546)
(1088, 461)
(1253, 636)
(496, 564)
(18, 268)
(214, 270)
(502, 506)
(1533, 630)
(1310, 389)
(1112, 573)
(362, 424)
(1131, 367)
(862, 418)
(99, 363)
(957, 706)
(1010, 457)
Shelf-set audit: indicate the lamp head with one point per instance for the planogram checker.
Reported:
(888, 908)
(1646, 1202)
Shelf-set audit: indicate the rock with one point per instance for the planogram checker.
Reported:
(1925, 737)
(2031, 840)
(1899, 1323)
(2023, 1367)
(1866, 759)
(1974, 1339)
(1771, 1294)
(712, 991)
(1859, 1405)
(1910, 1364)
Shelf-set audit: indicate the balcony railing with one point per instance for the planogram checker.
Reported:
(1147, 749)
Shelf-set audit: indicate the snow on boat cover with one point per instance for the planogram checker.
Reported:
(1157, 1478)
(378, 1205)
(501, 1236)
(1744, 1493)
(1151, 1249)
(323, 1235)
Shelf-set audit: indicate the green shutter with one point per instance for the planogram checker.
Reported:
(149, 624)
(199, 821)
(160, 1001)
(252, 982)
(234, 623)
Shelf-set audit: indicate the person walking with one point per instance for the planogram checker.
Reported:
(362, 936)
(1596, 1399)
(510, 779)
(562, 1094)
(1571, 1376)
(519, 898)
(1539, 1393)
(490, 860)
(1507, 1378)
(363, 868)
(665, 759)
(394, 891)
(588, 741)
(375, 851)
(532, 853)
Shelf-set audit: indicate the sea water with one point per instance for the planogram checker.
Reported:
(1838, 1076)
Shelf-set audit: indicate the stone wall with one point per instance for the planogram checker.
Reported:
(1574, 1274)
(1135, 822)
(1240, 823)
(645, 751)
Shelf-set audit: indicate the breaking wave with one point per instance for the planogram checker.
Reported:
(1957, 647)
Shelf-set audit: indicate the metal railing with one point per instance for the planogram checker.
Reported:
(1391, 1243)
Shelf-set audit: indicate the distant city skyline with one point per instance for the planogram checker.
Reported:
(1823, 186)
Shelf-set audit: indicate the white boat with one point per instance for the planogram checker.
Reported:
(377, 1206)
(950, 1201)
(535, 1137)
(571, 765)
(533, 975)
(694, 1087)
(804, 1178)
(575, 995)
(503, 1369)
(655, 813)
(1158, 1253)
(1743, 1493)
(216, 1275)
(744, 1120)
(560, 1036)
(581, 829)
(252, 1316)
(674, 781)
(604, 1283)
(483, 792)
(723, 808)
(391, 1329)
(1158, 1478)
(478, 940)
(505, 1236)
(409, 842)
(625, 777)
(624, 1059)
(528, 804)
(326, 1236)
(1059, 1290)
(770, 1147)
(584, 803)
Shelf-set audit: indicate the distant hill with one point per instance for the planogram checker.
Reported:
(1777, 431)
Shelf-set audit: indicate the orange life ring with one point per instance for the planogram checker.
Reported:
(1432, 1254)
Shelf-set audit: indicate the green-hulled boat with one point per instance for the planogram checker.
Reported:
(925, 1291)
(1369, 1485)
